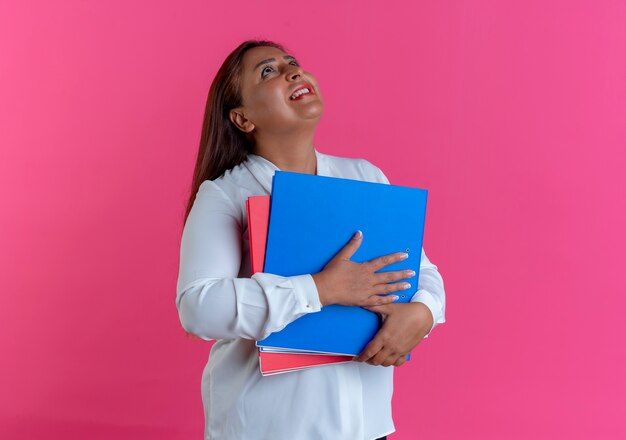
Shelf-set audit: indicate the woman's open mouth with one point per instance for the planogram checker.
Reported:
(301, 92)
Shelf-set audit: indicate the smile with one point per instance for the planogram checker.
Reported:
(300, 92)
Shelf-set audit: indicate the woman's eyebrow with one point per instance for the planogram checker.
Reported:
(269, 60)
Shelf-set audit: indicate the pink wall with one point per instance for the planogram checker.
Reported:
(512, 114)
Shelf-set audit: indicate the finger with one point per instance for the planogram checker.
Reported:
(391, 360)
(398, 289)
(380, 300)
(350, 248)
(394, 275)
(392, 288)
(385, 260)
(370, 350)
(401, 360)
(380, 357)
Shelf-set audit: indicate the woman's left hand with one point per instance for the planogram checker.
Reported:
(404, 327)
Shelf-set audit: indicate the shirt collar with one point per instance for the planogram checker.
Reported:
(263, 170)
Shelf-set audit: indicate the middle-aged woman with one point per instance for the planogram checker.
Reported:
(261, 115)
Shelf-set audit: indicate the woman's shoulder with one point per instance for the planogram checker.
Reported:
(230, 180)
(227, 188)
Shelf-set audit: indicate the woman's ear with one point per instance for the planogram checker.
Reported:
(240, 121)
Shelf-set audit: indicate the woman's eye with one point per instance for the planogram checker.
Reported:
(268, 67)
(263, 71)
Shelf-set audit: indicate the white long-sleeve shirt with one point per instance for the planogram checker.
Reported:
(217, 297)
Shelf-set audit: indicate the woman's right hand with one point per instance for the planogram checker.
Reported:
(349, 283)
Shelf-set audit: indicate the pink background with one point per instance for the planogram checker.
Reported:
(512, 115)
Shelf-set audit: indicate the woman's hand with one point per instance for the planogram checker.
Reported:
(356, 284)
(404, 327)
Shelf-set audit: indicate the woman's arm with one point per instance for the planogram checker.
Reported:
(212, 302)
(430, 289)
(405, 325)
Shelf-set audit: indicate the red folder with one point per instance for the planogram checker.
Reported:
(274, 363)
(258, 208)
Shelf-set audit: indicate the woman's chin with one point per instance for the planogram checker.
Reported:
(315, 110)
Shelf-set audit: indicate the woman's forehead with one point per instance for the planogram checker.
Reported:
(258, 56)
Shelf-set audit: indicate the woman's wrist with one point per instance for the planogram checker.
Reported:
(322, 292)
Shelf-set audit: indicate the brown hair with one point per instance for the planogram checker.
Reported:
(222, 145)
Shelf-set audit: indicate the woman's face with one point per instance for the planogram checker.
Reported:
(269, 79)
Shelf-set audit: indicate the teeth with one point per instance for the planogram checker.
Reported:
(299, 92)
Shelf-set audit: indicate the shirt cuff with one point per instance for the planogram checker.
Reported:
(306, 292)
(428, 299)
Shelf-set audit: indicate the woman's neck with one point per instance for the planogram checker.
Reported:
(298, 157)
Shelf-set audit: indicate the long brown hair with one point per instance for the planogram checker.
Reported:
(222, 145)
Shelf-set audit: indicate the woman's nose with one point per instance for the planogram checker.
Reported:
(295, 74)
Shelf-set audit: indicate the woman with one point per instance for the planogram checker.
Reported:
(257, 121)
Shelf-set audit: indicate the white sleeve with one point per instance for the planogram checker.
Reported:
(212, 302)
(430, 290)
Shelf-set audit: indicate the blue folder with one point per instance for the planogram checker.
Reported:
(312, 218)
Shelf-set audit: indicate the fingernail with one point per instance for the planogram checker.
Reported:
(395, 297)
(407, 285)
(358, 234)
(404, 256)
